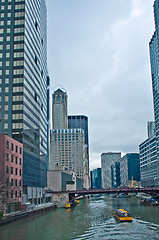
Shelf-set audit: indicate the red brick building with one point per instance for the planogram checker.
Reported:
(11, 174)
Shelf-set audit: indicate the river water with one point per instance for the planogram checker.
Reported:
(91, 219)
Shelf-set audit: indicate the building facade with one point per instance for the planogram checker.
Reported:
(61, 179)
(67, 149)
(148, 159)
(96, 178)
(107, 159)
(81, 122)
(130, 170)
(11, 174)
(115, 174)
(23, 84)
(59, 109)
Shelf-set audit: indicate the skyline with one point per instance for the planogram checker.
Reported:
(92, 45)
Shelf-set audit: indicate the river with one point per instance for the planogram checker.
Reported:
(91, 219)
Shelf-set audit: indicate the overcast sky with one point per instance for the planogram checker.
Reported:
(98, 51)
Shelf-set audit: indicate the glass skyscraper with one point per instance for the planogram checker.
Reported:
(23, 83)
(154, 58)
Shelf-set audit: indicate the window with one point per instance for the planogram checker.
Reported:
(20, 172)
(7, 157)
(20, 183)
(16, 160)
(6, 98)
(7, 80)
(6, 107)
(7, 55)
(12, 147)
(20, 194)
(12, 194)
(7, 169)
(15, 194)
(36, 60)
(16, 171)
(16, 182)
(7, 144)
(12, 158)
(11, 170)
(8, 30)
(20, 150)
(7, 63)
(5, 116)
(8, 38)
(7, 181)
(11, 182)
(7, 90)
(16, 149)
(36, 25)
(20, 161)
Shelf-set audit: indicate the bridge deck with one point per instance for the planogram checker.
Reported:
(111, 191)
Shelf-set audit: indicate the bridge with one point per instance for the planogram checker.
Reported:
(154, 191)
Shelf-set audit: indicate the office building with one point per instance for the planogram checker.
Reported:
(149, 149)
(115, 174)
(67, 149)
(96, 178)
(107, 159)
(81, 122)
(148, 159)
(11, 174)
(59, 109)
(130, 170)
(23, 85)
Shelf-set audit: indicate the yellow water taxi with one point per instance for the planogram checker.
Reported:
(122, 215)
(71, 204)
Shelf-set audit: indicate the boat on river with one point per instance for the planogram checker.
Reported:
(71, 204)
(123, 215)
(149, 201)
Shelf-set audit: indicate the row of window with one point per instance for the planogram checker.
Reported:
(15, 80)
(13, 182)
(14, 125)
(15, 98)
(14, 171)
(15, 72)
(10, 195)
(17, 14)
(13, 147)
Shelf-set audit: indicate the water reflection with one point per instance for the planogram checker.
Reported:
(91, 219)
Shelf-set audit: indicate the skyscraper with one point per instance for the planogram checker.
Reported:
(59, 109)
(81, 122)
(23, 83)
(67, 145)
(154, 58)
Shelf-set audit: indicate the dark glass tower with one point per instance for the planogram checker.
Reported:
(23, 82)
